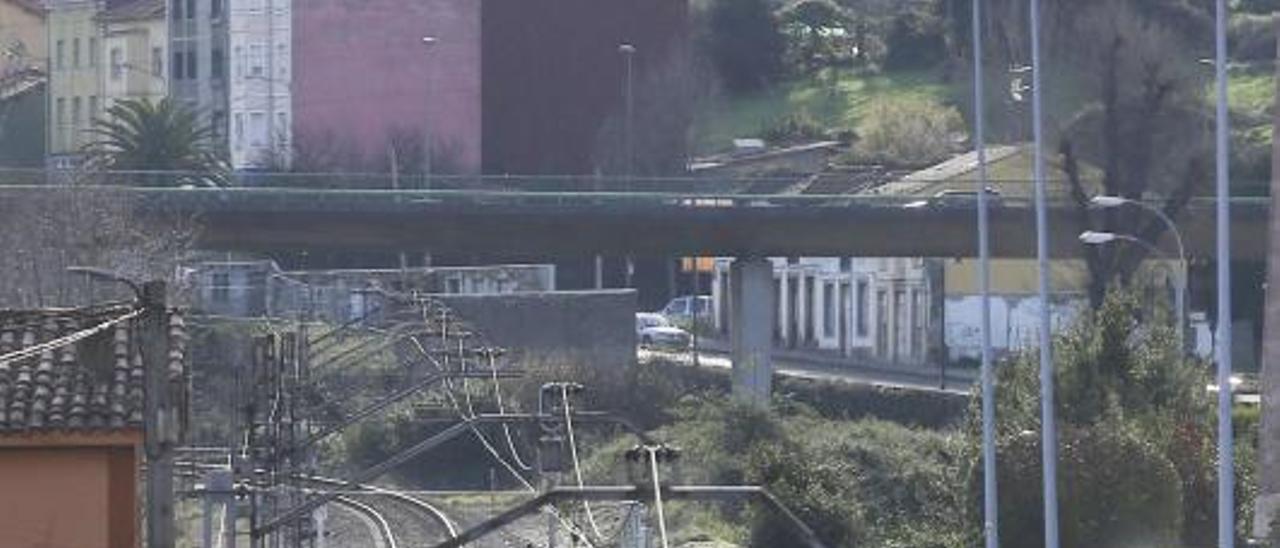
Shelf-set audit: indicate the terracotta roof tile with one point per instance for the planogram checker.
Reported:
(95, 383)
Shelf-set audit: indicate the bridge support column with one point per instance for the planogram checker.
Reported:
(752, 310)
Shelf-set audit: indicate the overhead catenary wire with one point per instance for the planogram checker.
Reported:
(657, 495)
(484, 441)
(577, 465)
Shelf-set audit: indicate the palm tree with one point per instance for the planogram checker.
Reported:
(164, 136)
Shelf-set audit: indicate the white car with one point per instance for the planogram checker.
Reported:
(683, 309)
(655, 330)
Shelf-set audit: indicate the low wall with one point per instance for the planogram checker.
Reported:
(588, 327)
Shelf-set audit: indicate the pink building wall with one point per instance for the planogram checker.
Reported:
(362, 74)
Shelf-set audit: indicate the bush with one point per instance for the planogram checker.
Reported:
(1114, 490)
(794, 128)
(907, 133)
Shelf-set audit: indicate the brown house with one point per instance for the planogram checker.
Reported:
(71, 426)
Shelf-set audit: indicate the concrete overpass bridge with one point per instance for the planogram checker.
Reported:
(704, 219)
(672, 223)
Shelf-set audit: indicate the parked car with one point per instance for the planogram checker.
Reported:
(681, 309)
(656, 331)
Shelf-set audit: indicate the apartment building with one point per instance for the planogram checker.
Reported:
(260, 83)
(198, 58)
(135, 47)
(75, 83)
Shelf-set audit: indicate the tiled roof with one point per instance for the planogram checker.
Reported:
(91, 384)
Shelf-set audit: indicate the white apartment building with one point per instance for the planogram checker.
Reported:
(260, 80)
(134, 52)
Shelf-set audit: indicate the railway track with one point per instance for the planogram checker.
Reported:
(380, 529)
(410, 521)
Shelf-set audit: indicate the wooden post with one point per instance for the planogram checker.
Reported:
(159, 419)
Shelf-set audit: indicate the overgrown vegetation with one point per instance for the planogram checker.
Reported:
(907, 134)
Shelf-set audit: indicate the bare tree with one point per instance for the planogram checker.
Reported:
(1123, 76)
(41, 236)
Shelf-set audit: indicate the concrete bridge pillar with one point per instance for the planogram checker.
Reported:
(752, 311)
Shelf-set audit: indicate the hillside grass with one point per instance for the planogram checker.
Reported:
(836, 99)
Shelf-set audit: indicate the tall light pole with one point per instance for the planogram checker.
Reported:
(1090, 237)
(628, 52)
(1226, 456)
(1106, 202)
(990, 523)
(1048, 429)
(427, 42)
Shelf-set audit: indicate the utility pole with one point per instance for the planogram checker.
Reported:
(160, 424)
(1269, 474)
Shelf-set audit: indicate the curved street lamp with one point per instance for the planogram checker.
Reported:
(1090, 237)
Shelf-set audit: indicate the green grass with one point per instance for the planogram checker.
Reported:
(836, 100)
(1250, 90)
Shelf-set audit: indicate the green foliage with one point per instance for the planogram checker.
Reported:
(141, 135)
(907, 133)
(745, 43)
(864, 483)
(793, 128)
(1125, 397)
(1252, 37)
(1256, 6)
(1115, 490)
(916, 40)
(817, 34)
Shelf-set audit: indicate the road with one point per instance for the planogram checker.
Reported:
(825, 370)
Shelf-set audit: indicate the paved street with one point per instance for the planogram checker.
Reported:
(793, 365)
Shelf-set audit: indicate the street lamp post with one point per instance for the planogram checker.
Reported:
(990, 523)
(1090, 237)
(1048, 426)
(1106, 202)
(427, 42)
(628, 52)
(1226, 455)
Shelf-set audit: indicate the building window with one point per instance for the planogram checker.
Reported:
(863, 308)
(215, 9)
(117, 63)
(75, 111)
(239, 131)
(282, 59)
(62, 111)
(192, 72)
(93, 109)
(177, 10)
(75, 53)
(255, 60)
(157, 61)
(216, 63)
(218, 120)
(282, 127)
(901, 328)
(240, 61)
(93, 52)
(882, 323)
(62, 54)
(176, 66)
(918, 324)
(257, 128)
(829, 309)
(191, 9)
(221, 287)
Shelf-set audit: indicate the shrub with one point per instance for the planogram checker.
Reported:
(1114, 490)
(1253, 37)
(908, 133)
(794, 127)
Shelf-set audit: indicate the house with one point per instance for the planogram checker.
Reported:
(71, 425)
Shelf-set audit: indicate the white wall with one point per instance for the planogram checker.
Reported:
(1014, 322)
